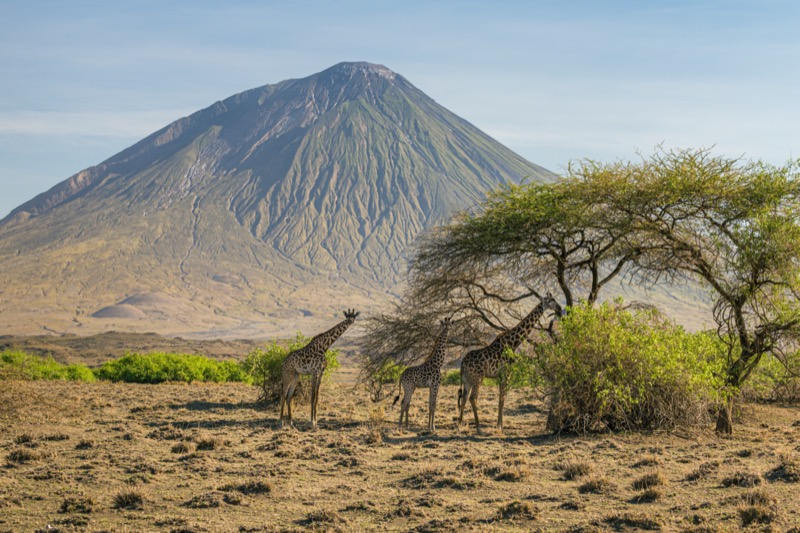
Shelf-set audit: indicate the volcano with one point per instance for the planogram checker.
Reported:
(265, 213)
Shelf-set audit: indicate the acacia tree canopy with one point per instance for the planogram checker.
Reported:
(526, 239)
(732, 225)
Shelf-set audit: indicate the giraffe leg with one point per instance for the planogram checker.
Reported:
(465, 392)
(287, 390)
(283, 402)
(432, 407)
(289, 394)
(405, 407)
(284, 387)
(289, 406)
(314, 380)
(503, 386)
(473, 400)
(402, 410)
(402, 403)
(316, 398)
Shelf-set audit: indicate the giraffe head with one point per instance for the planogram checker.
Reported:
(445, 323)
(351, 314)
(548, 302)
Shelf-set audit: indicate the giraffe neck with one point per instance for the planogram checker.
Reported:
(514, 337)
(437, 356)
(324, 340)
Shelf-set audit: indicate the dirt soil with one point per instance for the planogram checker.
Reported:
(204, 457)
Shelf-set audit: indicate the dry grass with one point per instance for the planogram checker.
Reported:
(757, 514)
(84, 444)
(22, 455)
(759, 506)
(76, 505)
(648, 481)
(788, 469)
(597, 485)
(742, 479)
(129, 499)
(180, 447)
(573, 469)
(250, 487)
(203, 457)
(208, 443)
(648, 460)
(760, 496)
(653, 494)
(25, 438)
(324, 517)
(703, 471)
(633, 521)
(519, 510)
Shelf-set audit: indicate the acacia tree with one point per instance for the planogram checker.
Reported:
(735, 227)
(482, 268)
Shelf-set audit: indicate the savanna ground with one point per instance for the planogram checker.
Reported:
(204, 457)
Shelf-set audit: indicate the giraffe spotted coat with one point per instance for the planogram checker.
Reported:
(426, 375)
(490, 361)
(310, 359)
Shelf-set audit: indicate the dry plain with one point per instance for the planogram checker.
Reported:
(205, 457)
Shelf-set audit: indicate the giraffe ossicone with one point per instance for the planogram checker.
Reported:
(310, 359)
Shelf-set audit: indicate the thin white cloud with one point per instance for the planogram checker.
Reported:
(87, 123)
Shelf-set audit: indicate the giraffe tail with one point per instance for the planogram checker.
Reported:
(399, 386)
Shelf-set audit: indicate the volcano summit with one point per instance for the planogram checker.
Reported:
(261, 214)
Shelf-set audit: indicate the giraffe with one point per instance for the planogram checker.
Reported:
(489, 361)
(427, 375)
(310, 359)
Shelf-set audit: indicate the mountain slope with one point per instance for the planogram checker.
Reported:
(259, 214)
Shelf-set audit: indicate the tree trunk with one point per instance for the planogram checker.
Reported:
(733, 382)
(725, 418)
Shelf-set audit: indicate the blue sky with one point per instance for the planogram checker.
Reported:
(555, 81)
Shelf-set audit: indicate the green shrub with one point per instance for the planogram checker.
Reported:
(16, 364)
(521, 371)
(264, 366)
(452, 377)
(158, 367)
(79, 373)
(389, 372)
(616, 369)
